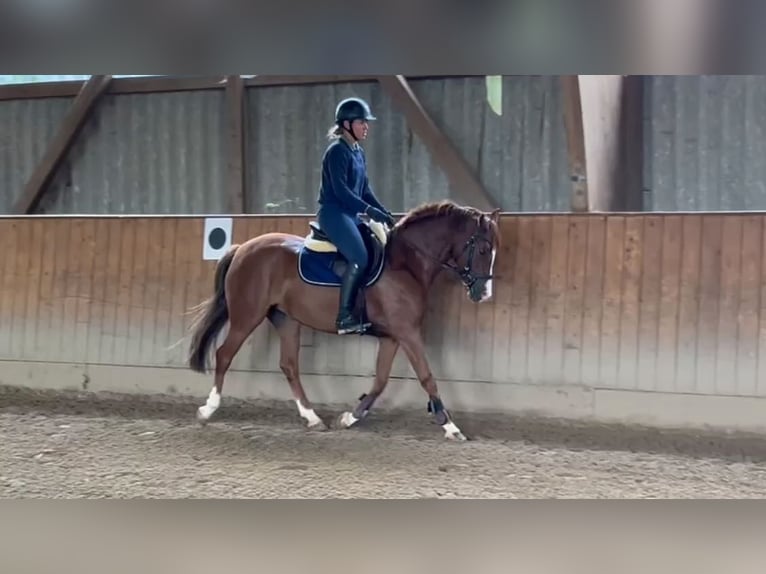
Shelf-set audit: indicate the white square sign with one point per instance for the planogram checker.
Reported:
(217, 238)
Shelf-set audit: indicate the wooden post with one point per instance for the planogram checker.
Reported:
(603, 135)
(573, 122)
(454, 165)
(235, 163)
(57, 149)
(631, 137)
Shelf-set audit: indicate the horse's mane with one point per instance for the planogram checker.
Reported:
(445, 208)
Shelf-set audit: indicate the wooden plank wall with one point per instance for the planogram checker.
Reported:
(669, 303)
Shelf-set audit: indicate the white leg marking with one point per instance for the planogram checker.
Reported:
(347, 419)
(451, 431)
(309, 414)
(488, 286)
(212, 404)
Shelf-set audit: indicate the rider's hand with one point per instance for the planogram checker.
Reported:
(380, 216)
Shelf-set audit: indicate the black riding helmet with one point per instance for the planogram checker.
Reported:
(353, 109)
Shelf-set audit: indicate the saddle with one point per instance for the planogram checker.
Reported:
(320, 262)
(318, 242)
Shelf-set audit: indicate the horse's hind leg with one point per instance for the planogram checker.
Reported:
(386, 353)
(289, 346)
(240, 327)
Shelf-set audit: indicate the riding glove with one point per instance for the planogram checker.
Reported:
(380, 216)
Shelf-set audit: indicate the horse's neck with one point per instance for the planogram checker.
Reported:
(423, 258)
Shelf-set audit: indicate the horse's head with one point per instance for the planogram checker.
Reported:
(463, 239)
(473, 251)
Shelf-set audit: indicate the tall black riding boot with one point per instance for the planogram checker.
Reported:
(347, 322)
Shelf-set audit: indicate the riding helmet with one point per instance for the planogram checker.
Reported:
(353, 109)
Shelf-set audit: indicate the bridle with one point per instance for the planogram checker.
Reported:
(466, 273)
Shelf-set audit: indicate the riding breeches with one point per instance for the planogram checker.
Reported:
(342, 230)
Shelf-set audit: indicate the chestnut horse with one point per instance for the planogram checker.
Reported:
(260, 279)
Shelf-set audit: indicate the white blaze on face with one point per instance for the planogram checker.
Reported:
(488, 285)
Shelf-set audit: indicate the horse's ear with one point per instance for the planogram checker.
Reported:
(495, 214)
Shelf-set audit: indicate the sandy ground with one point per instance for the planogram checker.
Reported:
(76, 445)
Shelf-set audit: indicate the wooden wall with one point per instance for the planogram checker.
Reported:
(669, 303)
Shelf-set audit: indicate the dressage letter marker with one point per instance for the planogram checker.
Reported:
(217, 238)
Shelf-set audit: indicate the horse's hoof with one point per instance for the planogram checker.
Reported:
(346, 420)
(451, 432)
(318, 426)
(201, 419)
(458, 436)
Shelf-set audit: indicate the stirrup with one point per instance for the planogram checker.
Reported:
(354, 326)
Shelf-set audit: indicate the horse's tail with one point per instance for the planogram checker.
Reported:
(211, 317)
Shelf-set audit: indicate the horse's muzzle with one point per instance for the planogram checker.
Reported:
(476, 290)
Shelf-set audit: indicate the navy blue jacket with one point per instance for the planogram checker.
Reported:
(344, 184)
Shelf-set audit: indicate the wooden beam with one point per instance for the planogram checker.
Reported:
(235, 164)
(61, 143)
(268, 81)
(575, 133)
(166, 84)
(70, 88)
(459, 173)
(66, 89)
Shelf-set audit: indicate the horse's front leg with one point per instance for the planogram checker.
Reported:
(413, 346)
(386, 352)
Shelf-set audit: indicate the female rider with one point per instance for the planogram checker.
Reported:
(345, 193)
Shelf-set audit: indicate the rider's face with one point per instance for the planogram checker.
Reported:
(360, 128)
